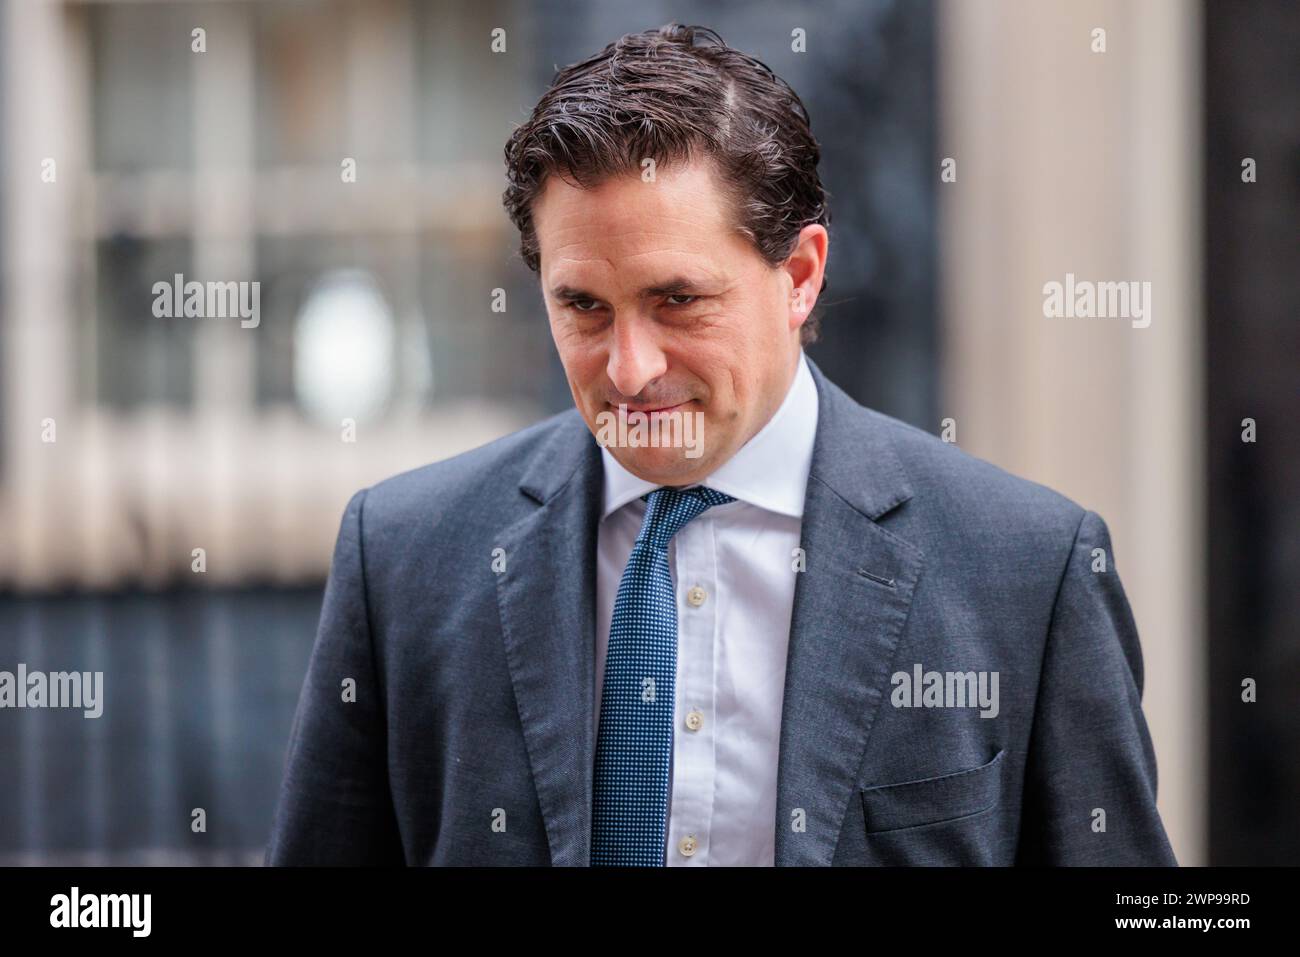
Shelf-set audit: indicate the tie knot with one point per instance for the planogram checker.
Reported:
(668, 509)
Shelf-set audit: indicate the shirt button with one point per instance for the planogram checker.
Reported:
(695, 720)
(696, 596)
(687, 845)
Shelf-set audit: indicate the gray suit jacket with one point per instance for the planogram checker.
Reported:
(470, 739)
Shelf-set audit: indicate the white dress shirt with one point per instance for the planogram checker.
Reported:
(733, 569)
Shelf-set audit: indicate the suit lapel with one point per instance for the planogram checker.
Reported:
(546, 599)
(850, 605)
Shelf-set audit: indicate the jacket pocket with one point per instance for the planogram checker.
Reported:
(949, 797)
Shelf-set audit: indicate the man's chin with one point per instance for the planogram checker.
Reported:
(663, 466)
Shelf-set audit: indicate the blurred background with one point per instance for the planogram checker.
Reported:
(128, 441)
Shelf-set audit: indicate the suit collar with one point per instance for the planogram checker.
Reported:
(852, 454)
(569, 452)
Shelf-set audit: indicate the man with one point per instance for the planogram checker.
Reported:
(798, 632)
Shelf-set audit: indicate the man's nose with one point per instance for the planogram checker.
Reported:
(635, 358)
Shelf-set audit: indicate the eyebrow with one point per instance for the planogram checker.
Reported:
(676, 286)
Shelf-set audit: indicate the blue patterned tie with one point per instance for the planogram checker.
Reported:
(635, 742)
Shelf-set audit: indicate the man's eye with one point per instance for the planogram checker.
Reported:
(577, 304)
(681, 296)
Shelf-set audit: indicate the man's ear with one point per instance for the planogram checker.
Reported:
(805, 266)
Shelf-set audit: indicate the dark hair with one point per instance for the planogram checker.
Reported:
(658, 94)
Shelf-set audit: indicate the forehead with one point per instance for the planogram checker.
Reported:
(627, 228)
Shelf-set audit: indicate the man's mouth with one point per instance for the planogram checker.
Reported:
(654, 409)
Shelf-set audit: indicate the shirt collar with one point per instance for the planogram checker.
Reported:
(770, 470)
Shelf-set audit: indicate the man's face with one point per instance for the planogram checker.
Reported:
(657, 303)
